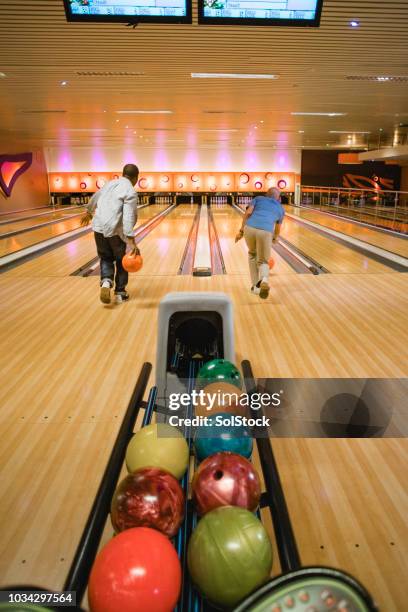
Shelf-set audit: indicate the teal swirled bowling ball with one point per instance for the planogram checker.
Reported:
(220, 435)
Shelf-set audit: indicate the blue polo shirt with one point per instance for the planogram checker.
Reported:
(267, 212)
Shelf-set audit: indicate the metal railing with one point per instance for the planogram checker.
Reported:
(386, 209)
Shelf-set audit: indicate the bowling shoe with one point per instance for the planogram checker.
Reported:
(264, 288)
(121, 296)
(255, 290)
(105, 294)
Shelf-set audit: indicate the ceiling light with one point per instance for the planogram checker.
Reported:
(85, 130)
(226, 75)
(3, 75)
(261, 121)
(347, 132)
(144, 112)
(63, 83)
(354, 23)
(382, 78)
(301, 131)
(320, 114)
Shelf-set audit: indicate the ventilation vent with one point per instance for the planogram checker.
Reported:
(107, 73)
(378, 79)
(31, 112)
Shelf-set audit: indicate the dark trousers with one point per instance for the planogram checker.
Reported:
(110, 252)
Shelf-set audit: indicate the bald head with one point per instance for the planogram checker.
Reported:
(274, 193)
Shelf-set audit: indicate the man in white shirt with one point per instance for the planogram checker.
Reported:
(113, 211)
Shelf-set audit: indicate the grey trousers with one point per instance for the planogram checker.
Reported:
(259, 243)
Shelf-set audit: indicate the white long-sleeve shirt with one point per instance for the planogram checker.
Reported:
(114, 208)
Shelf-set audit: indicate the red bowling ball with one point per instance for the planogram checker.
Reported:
(226, 479)
(137, 570)
(149, 497)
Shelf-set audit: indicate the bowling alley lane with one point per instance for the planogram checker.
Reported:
(64, 260)
(32, 212)
(390, 242)
(163, 248)
(26, 223)
(335, 257)
(227, 222)
(18, 242)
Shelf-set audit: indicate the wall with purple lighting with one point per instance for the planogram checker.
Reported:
(184, 159)
(30, 190)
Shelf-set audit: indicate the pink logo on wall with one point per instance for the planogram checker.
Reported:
(11, 168)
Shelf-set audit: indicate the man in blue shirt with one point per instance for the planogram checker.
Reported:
(260, 227)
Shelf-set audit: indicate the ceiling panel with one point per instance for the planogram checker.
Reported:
(39, 50)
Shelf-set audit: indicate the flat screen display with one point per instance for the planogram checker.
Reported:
(260, 12)
(165, 11)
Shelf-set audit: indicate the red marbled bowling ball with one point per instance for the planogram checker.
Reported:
(226, 479)
(149, 497)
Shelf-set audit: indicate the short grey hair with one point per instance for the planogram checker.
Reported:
(274, 192)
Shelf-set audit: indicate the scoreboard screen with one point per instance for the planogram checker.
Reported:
(164, 11)
(304, 13)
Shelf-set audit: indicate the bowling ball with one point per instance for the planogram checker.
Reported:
(132, 262)
(218, 370)
(158, 445)
(227, 399)
(229, 555)
(225, 479)
(214, 438)
(271, 263)
(149, 497)
(137, 570)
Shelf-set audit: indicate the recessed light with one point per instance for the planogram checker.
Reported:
(117, 120)
(354, 23)
(64, 83)
(319, 114)
(144, 112)
(383, 78)
(3, 75)
(380, 130)
(261, 121)
(301, 131)
(346, 132)
(227, 75)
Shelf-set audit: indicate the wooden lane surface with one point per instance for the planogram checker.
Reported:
(227, 222)
(31, 212)
(336, 257)
(15, 243)
(20, 241)
(162, 249)
(69, 365)
(64, 260)
(38, 220)
(389, 242)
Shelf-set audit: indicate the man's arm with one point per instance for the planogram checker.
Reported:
(247, 214)
(278, 225)
(90, 209)
(129, 214)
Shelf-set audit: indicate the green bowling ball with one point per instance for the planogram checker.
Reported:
(219, 370)
(229, 555)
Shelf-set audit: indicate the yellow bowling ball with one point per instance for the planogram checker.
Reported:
(158, 445)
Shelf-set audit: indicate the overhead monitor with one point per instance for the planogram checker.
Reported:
(304, 13)
(148, 11)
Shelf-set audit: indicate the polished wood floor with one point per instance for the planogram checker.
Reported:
(68, 366)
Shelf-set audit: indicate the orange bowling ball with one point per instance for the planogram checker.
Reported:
(221, 397)
(133, 261)
(271, 263)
